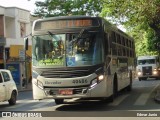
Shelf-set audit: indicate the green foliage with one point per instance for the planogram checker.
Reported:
(140, 17)
(50, 8)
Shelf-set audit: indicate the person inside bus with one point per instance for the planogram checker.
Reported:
(36, 50)
(57, 49)
(51, 51)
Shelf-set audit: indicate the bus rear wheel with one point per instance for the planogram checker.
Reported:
(129, 87)
(59, 101)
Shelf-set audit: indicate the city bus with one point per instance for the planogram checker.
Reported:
(80, 57)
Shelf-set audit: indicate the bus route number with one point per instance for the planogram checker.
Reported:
(80, 81)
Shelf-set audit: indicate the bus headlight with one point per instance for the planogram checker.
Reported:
(155, 72)
(139, 73)
(96, 81)
(101, 77)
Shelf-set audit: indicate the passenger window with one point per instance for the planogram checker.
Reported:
(1, 80)
(6, 76)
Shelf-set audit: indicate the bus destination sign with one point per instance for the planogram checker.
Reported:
(60, 24)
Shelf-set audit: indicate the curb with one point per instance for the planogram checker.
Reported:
(24, 90)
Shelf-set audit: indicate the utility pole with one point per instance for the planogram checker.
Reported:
(25, 60)
(4, 57)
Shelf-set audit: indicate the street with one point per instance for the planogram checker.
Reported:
(141, 98)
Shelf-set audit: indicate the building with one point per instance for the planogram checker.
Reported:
(15, 25)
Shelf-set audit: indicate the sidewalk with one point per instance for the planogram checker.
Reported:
(26, 88)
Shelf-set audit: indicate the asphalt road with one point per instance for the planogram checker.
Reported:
(139, 100)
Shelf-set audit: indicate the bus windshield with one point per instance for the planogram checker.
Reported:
(146, 61)
(71, 49)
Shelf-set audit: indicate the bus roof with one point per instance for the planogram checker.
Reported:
(146, 57)
(66, 17)
(110, 25)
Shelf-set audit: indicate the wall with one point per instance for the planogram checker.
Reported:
(10, 27)
(16, 51)
(2, 25)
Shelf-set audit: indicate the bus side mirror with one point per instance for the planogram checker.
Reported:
(25, 43)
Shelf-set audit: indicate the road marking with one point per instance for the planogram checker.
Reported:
(17, 105)
(154, 88)
(25, 101)
(21, 103)
(40, 104)
(118, 100)
(142, 99)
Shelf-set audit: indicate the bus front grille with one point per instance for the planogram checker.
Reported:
(66, 73)
(147, 70)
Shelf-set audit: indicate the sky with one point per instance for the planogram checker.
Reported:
(24, 4)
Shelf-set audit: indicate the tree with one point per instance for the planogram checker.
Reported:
(136, 15)
(50, 8)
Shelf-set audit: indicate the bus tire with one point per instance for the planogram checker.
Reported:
(110, 99)
(114, 94)
(129, 87)
(59, 101)
(115, 88)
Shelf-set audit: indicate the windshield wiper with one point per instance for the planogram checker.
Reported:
(53, 35)
(79, 36)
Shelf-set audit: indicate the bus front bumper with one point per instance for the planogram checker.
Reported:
(66, 93)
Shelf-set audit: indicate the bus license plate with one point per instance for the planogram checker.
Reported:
(66, 92)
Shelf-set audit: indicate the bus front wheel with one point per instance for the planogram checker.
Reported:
(59, 101)
(115, 90)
